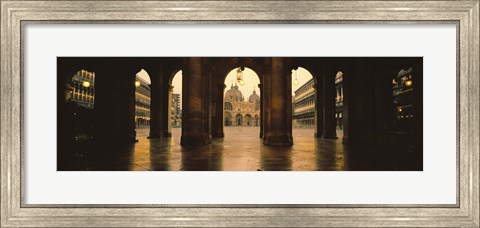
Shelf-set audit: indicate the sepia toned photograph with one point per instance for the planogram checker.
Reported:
(239, 114)
(287, 113)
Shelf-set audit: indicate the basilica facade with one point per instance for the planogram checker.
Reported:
(241, 112)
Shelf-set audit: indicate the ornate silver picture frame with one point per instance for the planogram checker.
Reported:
(465, 14)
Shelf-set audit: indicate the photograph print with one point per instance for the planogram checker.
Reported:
(239, 113)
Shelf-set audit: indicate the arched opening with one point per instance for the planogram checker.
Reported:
(228, 106)
(304, 96)
(228, 119)
(142, 102)
(175, 104)
(239, 120)
(79, 105)
(339, 104)
(248, 120)
(241, 101)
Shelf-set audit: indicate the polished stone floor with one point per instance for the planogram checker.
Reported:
(240, 150)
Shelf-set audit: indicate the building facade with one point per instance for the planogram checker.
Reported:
(339, 100)
(304, 105)
(403, 100)
(82, 89)
(176, 116)
(241, 112)
(80, 103)
(142, 103)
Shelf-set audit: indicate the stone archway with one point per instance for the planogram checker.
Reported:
(248, 120)
(235, 96)
(238, 120)
(324, 85)
(228, 119)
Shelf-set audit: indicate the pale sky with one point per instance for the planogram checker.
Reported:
(249, 76)
(177, 83)
(144, 75)
(303, 77)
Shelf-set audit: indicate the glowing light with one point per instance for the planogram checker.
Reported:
(240, 76)
(242, 82)
(408, 83)
(137, 84)
(339, 74)
(86, 84)
(295, 82)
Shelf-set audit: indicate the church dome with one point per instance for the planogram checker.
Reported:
(234, 94)
(254, 97)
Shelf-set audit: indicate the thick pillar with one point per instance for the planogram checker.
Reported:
(195, 129)
(417, 65)
(260, 117)
(65, 109)
(328, 96)
(358, 110)
(166, 109)
(318, 106)
(155, 105)
(217, 107)
(65, 114)
(160, 101)
(278, 104)
(114, 113)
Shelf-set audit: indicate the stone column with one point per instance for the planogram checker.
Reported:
(115, 102)
(170, 102)
(328, 95)
(358, 112)
(195, 129)
(155, 103)
(318, 107)
(417, 65)
(278, 112)
(217, 108)
(260, 116)
(166, 105)
(65, 120)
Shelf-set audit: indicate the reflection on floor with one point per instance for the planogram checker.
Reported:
(240, 150)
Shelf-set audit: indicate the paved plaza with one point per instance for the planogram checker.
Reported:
(240, 150)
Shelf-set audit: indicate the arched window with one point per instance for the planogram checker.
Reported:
(228, 106)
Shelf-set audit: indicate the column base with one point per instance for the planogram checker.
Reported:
(195, 140)
(278, 141)
(154, 134)
(330, 135)
(218, 135)
(166, 134)
(317, 135)
(157, 135)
